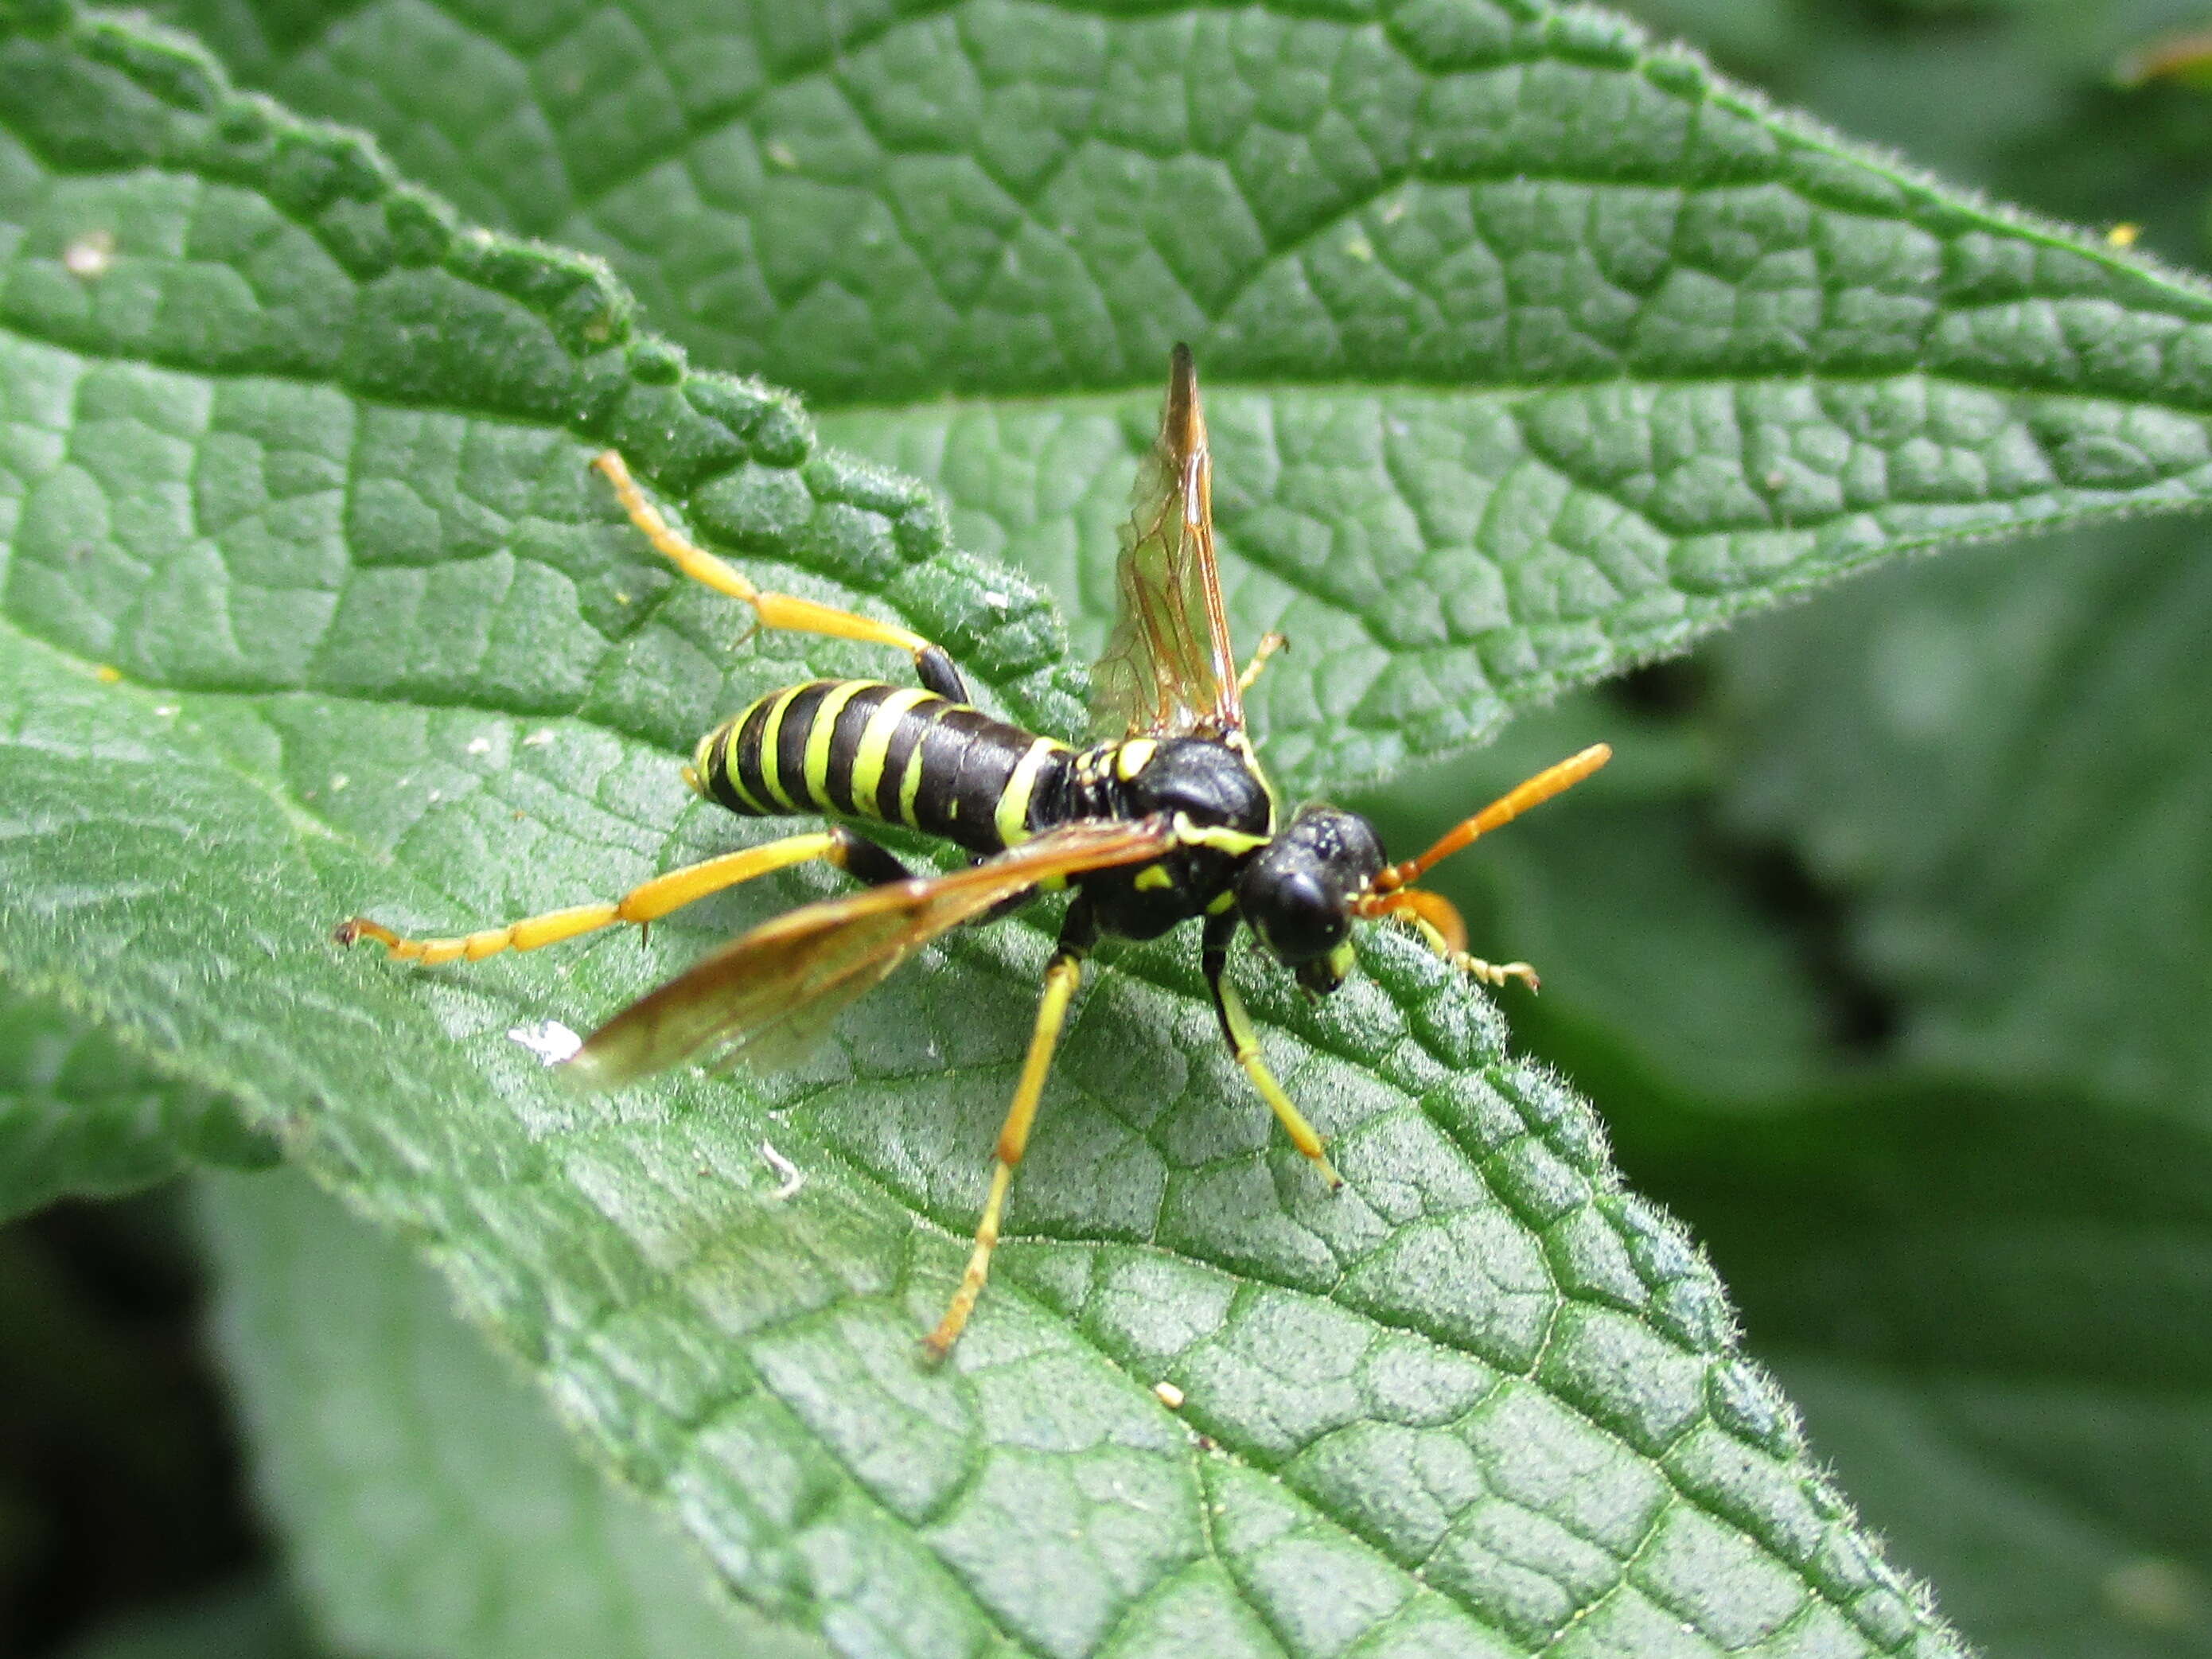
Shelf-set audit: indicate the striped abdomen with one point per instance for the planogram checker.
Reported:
(859, 749)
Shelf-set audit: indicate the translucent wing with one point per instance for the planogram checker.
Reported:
(768, 998)
(1168, 670)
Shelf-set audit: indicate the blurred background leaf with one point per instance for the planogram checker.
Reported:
(81, 1116)
(433, 1507)
(253, 1618)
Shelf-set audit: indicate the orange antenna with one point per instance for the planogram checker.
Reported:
(1503, 811)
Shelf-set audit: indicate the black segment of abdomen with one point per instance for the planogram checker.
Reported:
(845, 747)
(967, 760)
(791, 738)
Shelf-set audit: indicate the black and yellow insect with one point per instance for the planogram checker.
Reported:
(1166, 816)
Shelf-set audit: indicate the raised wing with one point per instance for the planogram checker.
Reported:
(769, 997)
(1168, 670)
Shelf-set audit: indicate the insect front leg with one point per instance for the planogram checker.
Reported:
(647, 903)
(931, 662)
(1436, 919)
(1244, 1045)
(1078, 933)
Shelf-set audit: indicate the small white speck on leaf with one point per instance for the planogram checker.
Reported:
(479, 745)
(91, 256)
(997, 600)
(785, 1171)
(165, 709)
(339, 781)
(781, 153)
(538, 739)
(550, 1040)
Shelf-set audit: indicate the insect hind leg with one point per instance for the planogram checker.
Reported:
(645, 904)
(932, 663)
(862, 860)
(1077, 933)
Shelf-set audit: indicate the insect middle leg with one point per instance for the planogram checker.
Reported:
(1244, 1046)
(931, 663)
(1270, 643)
(1078, 933)
(646, 903)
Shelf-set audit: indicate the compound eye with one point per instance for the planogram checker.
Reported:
(1297, 919)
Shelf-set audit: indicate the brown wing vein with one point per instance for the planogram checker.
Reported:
(1168, 669)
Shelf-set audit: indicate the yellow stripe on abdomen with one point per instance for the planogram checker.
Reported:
(770, 740)
(818, 735)
(731, 769)
(911, 778)
(1011, 820)
(875, 744)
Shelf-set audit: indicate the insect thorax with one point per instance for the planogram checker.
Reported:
(1212, 789)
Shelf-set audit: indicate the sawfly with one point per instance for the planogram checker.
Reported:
(1165, 817)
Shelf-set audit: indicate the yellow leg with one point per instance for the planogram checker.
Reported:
(1059, 981)
(1494, 974)
(647, 902)
(1244, 1046)
(774, 610)
(1270, 643)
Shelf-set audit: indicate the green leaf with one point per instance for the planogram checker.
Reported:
(254, 1620)
(428, 1502)
(1642, 923)
(81, 1115)
(1533, 352)
(2004, 1487)
(1974, 1297)
(305, 463)
(2001, 761)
